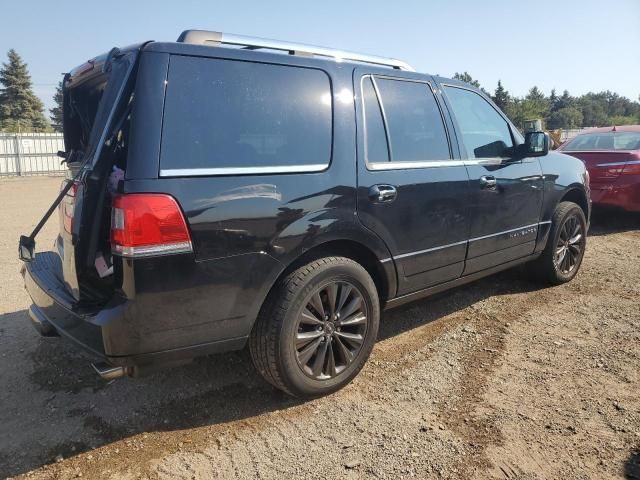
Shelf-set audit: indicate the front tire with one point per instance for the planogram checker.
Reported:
(317, 328)
(563, 254)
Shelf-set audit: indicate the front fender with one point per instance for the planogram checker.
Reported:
(563, 175)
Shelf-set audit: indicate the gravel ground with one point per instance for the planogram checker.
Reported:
(497, 379)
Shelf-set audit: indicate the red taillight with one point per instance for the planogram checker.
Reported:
(632, 168)
(148, 224)
(68, 206)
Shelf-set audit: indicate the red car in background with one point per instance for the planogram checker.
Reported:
(612, 157)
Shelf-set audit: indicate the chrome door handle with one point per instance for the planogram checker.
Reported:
(488, 182)
(382, 193)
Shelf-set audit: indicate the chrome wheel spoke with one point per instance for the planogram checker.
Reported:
(309, 318)
(352, 338)
(345, 291)
(351, 307)
(576, 229)
(565, 263)
(357, 319)
(345, 353)
(331, 362)
(563, 234)
(316, 303)
(318, 362)
(332, 294)
(308, 351)
(302, 338)
(575, 239)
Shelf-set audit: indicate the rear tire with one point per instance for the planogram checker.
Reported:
(561, 259)
(317, 327)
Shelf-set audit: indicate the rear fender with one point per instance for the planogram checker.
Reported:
(319, 228)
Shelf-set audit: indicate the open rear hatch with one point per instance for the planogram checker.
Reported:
(97, 104)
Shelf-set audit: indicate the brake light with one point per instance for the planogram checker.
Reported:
(148, 224)
(632, 168)
(68, 207)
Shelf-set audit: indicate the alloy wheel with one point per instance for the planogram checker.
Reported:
(331, 330)
(570, 245)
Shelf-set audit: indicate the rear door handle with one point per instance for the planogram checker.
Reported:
(488, 182)
(382, 193)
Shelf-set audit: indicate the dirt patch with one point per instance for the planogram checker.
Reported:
(497, 379)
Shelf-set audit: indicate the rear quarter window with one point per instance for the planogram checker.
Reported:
(236, 117)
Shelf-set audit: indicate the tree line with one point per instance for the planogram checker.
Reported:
(562, 111)
(22, 111)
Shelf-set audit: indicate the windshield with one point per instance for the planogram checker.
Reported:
(604, 141)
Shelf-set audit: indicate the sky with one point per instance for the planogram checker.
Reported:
(578, 45)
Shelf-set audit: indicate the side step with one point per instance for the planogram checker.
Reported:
(40, 322)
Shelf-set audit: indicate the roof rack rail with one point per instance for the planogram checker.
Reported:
(215, 39)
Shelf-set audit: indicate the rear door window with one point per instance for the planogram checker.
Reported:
(413, 122)
(228, 116)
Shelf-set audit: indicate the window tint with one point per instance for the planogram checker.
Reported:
(484, 132)
(376, 139)
(605, 141)
(414, 122)
(226, 113)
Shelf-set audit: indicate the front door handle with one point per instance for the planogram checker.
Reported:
(488, 182)
(382, 193)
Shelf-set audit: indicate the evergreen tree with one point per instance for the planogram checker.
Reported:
(565, 100)
(465, 77)
(55, 114)
(501, 97)
(535, 104)
(566, 117)
(20, 109)
(553, 101)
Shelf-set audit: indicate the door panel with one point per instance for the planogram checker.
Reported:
(505, 193)
(425, 225)
(507, 216)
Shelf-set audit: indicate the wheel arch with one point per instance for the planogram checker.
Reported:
(578, 196)
(356, 251)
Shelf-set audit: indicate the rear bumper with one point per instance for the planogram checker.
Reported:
(54, 308)
(98, 329)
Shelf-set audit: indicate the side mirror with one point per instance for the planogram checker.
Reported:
(536, 144)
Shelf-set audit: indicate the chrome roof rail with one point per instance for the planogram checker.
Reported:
(215, 39)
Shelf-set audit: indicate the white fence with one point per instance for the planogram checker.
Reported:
(31, 154)
(569, 133)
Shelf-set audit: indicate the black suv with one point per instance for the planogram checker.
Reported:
(227, 190)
